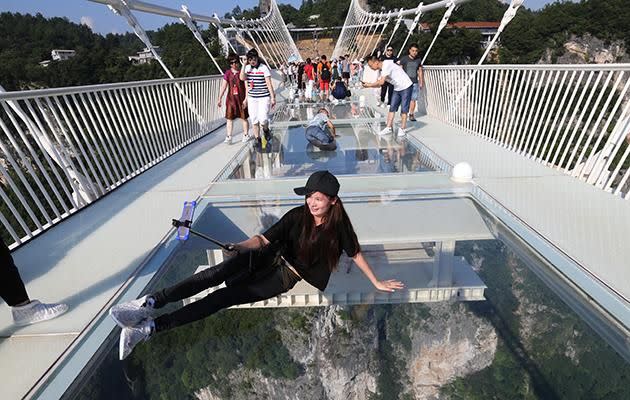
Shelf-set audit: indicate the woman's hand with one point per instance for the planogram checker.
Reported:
(245, 103)
(232, 250)
(390, 285)
(219, 103)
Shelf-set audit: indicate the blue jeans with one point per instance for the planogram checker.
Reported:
(320, 138)
(414, 92)
(401, 98)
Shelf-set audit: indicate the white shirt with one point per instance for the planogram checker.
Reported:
(395, 75)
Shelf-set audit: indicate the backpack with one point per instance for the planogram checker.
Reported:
(325, 75)
(335, 73)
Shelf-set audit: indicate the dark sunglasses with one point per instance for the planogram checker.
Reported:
(233, 62)
(390, 49)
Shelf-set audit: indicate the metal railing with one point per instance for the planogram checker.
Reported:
(574, 118)
(61, 149)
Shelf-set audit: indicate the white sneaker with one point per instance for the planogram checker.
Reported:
(402, 132)
(245, 139)
(36, 311)
(131, 313)
(228, 140)
(130, 337)
(385, 131)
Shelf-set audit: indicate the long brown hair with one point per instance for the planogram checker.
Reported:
(327, 242)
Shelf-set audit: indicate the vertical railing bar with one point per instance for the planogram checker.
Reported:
(620, 163)
(486, 101)
(85, 126)
(75, 136)
(498, 83)
(527, 127)
(143, 133)
(147, 138)
(108, 136)
(8, 227)
(177, 112)
(524, 80)
(159, 104)
(544, 155)
(49, 161)
(494, 76)
(24, 181)
(603, 111)
(68, 157)
(623, 123)
(513, 98)
(57, 154)
(591, 92)
(117, 138)
(624, 179)
(21, 176)
(536, 122)
(116, 176)
(481, 88)
(191, 118)
(573, 114)
(154, 131)
(23, 135)
(27, 163)
(167, 99)
(538, 135)
(505, 100)
(589, 118)
(130, 130)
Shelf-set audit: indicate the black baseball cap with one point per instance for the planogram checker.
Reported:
(320, 181)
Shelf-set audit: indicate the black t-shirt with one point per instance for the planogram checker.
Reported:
(288, 230)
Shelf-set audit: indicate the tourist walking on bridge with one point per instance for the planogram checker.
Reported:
(394, 74)
(305, 243)
(235, 104)
(412, 64)
(387, 88)
(260, 94)
(324, 74)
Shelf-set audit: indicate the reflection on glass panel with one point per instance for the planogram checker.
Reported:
(520, 343)
(292, 114)
(359, 151)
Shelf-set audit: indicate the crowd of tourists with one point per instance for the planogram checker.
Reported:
(248, 93)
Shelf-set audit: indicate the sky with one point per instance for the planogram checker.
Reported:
(101, 20)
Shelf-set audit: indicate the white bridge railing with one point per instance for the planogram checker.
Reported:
(574, 118)
(61, 149)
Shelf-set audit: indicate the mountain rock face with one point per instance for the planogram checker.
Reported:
(343, 351)
(588, 49)
(455, 344)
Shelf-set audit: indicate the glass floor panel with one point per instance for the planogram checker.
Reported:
(359, 151)
(522, 342)
(346, 112)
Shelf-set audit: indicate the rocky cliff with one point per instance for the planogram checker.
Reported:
(587, 49)
(358, 352)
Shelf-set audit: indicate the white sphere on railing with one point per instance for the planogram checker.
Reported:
(462, 172)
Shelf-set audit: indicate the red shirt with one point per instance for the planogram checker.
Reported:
(308, 70)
